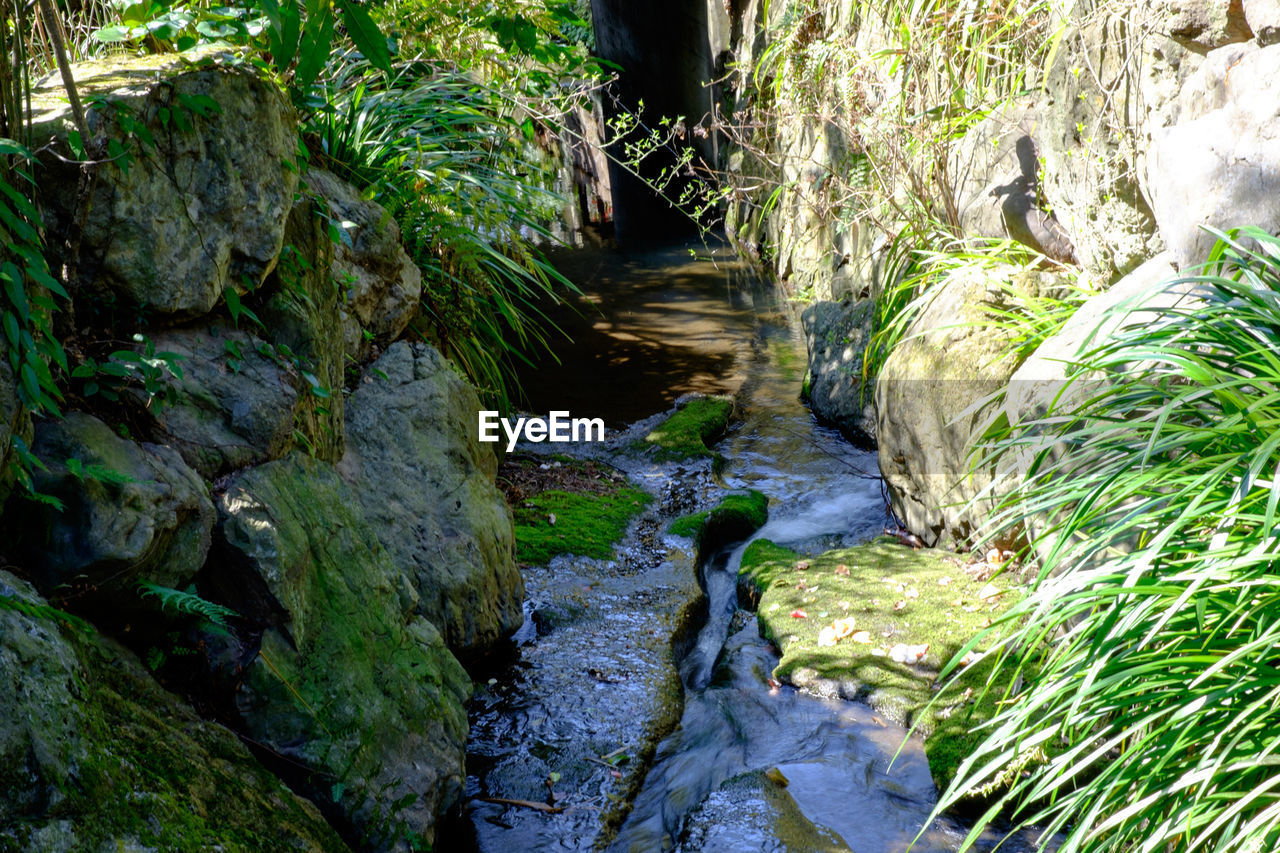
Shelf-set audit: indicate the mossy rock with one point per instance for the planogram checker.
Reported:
(689, 433)
(732, 520)
(897, 595)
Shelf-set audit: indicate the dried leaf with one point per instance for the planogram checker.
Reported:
(799, 614)
(861, 637)
(842, 569)
(898, 605)
(827, 636)
(802, 565)
(912, 593)
(842, 628)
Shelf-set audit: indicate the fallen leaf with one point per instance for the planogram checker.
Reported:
(944, 581)
(775, 776)
(827, 636)
(877, 652)
(912, 593)
(994, 558)
(842, 628)
(842, 569)
(898, 605)
(799, 614)
(551, 519)
(902, 653)
(990, 591)
(802, 565)
(861, 637)
(802, 585)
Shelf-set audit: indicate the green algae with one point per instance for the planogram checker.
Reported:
(898, 596)
(688, 433)
(584, 524)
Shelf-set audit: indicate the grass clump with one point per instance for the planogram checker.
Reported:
(897, 596)
(688, 433)
(734, 518)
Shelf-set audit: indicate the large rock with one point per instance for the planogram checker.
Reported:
(1222, 169)
(416, 465)
(363, 707)
(197, 183)
(994, 172)
(931, 402)
(130, 512)
(1205, 23)
(837, 334)
(94, 755)
(380, 283)
(1263, 17)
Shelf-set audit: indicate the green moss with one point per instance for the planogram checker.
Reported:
(898, 596)
(734, 518)
(585, 524)
(688, 433)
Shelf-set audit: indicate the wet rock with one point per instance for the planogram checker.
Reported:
(419, 472)
(14, 422)
(837, 334)
(951, 358)
(193, 199)
(94, 755)
(379, 282)
(1263, 17)
(132, 512)
(362, 706)
(1223, 168)
(995, 172)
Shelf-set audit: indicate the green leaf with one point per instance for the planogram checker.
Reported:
(366, 35)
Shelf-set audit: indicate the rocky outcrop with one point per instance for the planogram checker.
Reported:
(128, 512)
(362, 706)
(379, 284)
(417, 468)
(94, 755)
(1263, 18)
(837, 334)
(932, 400)
(195, 190)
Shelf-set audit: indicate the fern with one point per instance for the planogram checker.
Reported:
(186, 601)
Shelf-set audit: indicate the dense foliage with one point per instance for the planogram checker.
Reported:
(1146, 650)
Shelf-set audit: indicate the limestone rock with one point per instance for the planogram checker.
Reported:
(837, 334)
(995, 174)
(364, 705)
(416, 466)
(194, 196)
(94, 755)
(132, 512)
(1223, 168)
(380, 283)
(950, 360)
(1206, 23)
(1264, 19)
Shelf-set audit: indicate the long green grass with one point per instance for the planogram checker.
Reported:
(1146, 651)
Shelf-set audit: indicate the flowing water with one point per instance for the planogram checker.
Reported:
(638, 711)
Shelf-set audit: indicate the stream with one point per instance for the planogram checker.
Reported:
(637, 711)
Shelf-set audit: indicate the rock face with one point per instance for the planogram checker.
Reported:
(94, 755)
(837, 334)
(363, 706)
(132, 512)
(195, 195)
(426, 484)
(1222, 169)
(951, 359)
(379, 284)
(1263, 17)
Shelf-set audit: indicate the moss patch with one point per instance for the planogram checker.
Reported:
(688, 432)
(567, 507)
(898, 596)
(734, 518)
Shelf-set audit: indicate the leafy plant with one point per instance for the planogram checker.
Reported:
(1149, 695)
(188, 602)
(148, 370)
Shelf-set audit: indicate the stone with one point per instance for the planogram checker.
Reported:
(236, 404)
(1222, 169)
(130, 512)
(416, 466)
(933, 400)
(1205, 23)
(363, 706)
(15, 422)
(94, 755)
(994, 172)
(380, 284)
(196, 188)
(1263, 17)
(837, 334)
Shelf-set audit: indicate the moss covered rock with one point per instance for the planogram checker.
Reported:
(898, 597)
(688, 433)
(94, 755)
(417, 468)
(735, 518)
(363, 706)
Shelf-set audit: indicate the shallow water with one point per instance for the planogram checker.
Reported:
(632, 658)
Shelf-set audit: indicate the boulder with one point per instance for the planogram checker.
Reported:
(379, 282)
(994, 172)
(362, 706)
(15, 422)
(236, 404)
(417, 468)
(837, 334)
(1204, 23)
(932, 401)
(94, 755)
(1221, 169)
(1263, 17)
(195, 187)
(129, 512)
